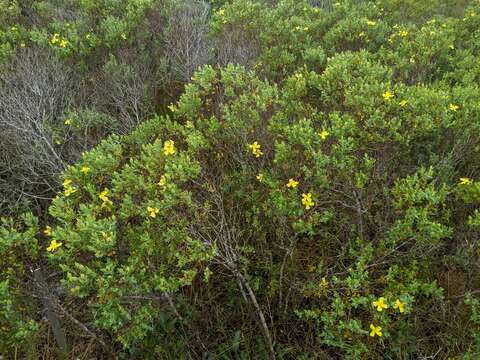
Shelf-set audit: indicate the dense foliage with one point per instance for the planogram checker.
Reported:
(304, 185)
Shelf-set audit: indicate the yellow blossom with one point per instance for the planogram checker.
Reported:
(403, 33)
(453, 107)
(387, 95)
(375, 330)
(54, 244)
(260, 177)
(403, 103)
(256, 149)
(380, 304)
(63, 43)
(305, 28)
(323, 134)
(85, 170)
(292, 183)
(55, 39)
(399, 305)
(48, 231)
(371, 23)
(67, 121)
(221, 12)
(104, 197)
(106, 235)
(465, 181)
(153, 211)
(162, 181)
(69, 189)
(123, 36)
(307, 201)
(169, 147)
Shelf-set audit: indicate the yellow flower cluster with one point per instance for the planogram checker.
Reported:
(169, 147)
(307, 201)
(162, 181)
(292, 183)
(69, 188)
(380, 305)
(54, 245)
(453, 107)
(323, 134)
(57, 40)
(465, 181)
(85, 170)
(256, 149)
(388, 95)
(153, 211)
(48, 231)
(104, 197)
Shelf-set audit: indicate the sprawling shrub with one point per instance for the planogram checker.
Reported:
(322, 203)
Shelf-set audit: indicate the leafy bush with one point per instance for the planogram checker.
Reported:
(319, 202)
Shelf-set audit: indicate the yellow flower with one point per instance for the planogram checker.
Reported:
(297, 28)
(260, 177)
(465, 181)
(55, 39)
(189, 124)
(292, 183)
(123, 36)
(22, 44)
(54, 244)
(403, 103)
(69, 189)
(453, 107)
(85, 170)
(153, 211)
(380, 304)
(451, 46)
(371, 23)
(323, 134)
(106, 235)
(305, 28)
(104, 197)
(255, 147)
(169, 147)
(221, 12)
(48, 231)
(63, 43)
(375, 330)
(400, 306)
(387, 95)
(162, 181)
(67, 122)
(307, 201)
(403, 33)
